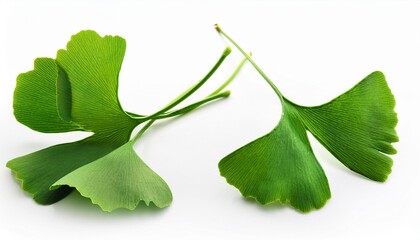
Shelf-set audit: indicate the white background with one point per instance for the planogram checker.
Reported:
(313, 51)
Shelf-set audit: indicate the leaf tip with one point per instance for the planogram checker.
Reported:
(217, 27)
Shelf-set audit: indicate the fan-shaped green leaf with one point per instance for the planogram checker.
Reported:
(41, 95)
(279, 166)
(92, 64)
(358, 127)
(119, 180)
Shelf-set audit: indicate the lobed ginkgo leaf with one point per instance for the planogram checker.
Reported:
(358, 127)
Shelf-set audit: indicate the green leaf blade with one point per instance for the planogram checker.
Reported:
(39, 170)
(279, 166)
(119, 180)
(35, 101)
(358, 127)
(92, 64)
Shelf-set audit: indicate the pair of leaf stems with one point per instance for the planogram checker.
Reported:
(215, 95)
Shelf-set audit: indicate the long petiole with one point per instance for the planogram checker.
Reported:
(193, 106)
(143, 130)
(231, 77)
(276, 90)
(190, 90)
(212, 96)
(134, 115)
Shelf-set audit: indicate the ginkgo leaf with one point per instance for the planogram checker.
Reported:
(92, 64)
(119, 180)
(358, 127)
(90, 68)
(38, 99)
(279, 166)
(39, 170)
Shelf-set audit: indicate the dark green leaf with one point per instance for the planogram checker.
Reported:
(39, 170)
(358, 127)
(279, 166)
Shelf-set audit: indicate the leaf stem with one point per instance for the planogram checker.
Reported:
(192, 89)
(134, 115)
(142, 131)
(193, 106)
(274, 87)
(217, 94)
(212, 96)
(231, 77)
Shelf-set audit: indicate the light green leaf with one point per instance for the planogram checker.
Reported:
(37, 95)
(358, 127)
(92, 64)
(279, 166)
(39, 170)
(119, 180)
